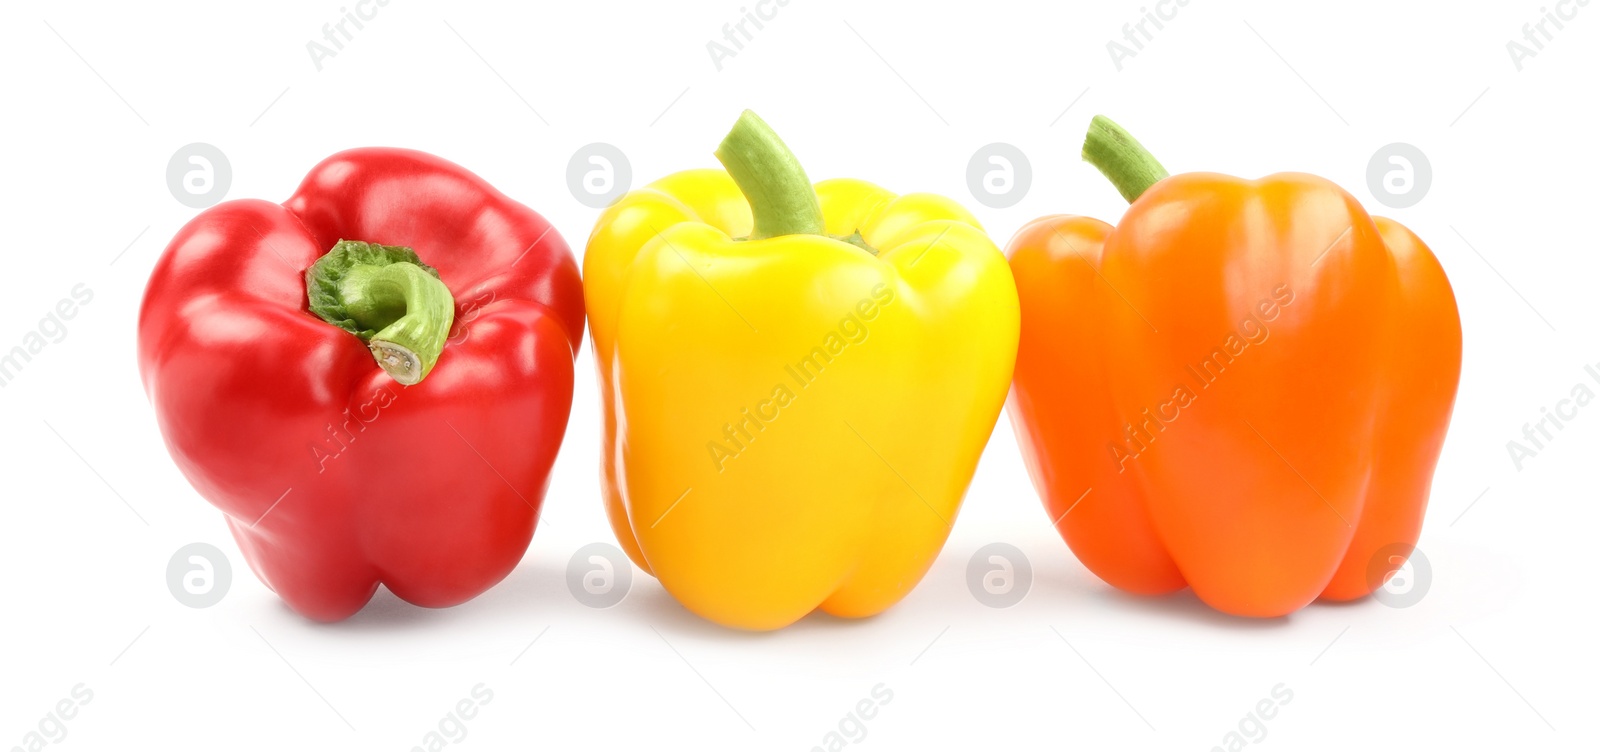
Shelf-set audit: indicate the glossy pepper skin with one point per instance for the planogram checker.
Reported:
(333, 476)
(1243, 387)
(791, 420)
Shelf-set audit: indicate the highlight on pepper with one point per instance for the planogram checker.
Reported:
(1241, 388)
(797, 381)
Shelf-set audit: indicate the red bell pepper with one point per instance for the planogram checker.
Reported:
(335, 475)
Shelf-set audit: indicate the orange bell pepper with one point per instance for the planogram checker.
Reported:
(1242, 388)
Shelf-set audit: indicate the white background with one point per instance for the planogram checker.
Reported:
(1499, 652)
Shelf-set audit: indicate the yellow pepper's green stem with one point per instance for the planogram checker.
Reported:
(782, 201)
(1121, 158)
(391, 300)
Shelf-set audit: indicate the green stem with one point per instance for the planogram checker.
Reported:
(1121, 158)
(782, 201)
(387, 297)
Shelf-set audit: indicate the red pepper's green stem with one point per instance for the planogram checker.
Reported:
(390, 299)
(1121, 158)
(782, 201)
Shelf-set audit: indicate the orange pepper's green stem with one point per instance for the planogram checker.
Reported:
(782, 201)
(1121, 158)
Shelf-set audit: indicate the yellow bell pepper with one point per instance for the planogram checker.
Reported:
(797, 381)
